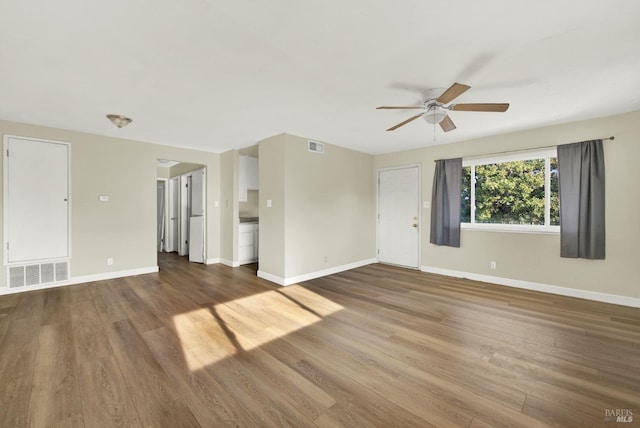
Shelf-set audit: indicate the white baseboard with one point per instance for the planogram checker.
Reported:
(536, 286)
(273, 278)
(312, 275)
(229, 263)
(112, 275)
(212, 261)
(82, 279)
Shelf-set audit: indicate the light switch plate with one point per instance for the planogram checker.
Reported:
(103, 198)
(268, 203)
(426, 204)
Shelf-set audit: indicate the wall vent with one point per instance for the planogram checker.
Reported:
(316, 147)
(37, 274)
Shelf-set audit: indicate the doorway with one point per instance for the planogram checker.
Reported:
(181, 197)
(399, 216)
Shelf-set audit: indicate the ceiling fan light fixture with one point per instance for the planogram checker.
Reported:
(119, 120)
(435, 116)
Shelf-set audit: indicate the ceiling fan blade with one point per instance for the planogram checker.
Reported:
(405, 122)
(495, 107)
(447, 124)
(453, 92)
(397, 107)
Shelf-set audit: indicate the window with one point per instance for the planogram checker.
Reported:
(514, 191)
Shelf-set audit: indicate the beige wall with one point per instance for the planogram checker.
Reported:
(125, 227)
(164, 172)
(272, 220)
(535, 257)
(183, 168)
(229, 163)
(251, 208)
(322, 205)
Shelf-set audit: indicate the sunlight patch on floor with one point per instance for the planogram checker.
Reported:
(211, 334)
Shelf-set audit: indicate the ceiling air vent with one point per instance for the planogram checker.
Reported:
(316, 147)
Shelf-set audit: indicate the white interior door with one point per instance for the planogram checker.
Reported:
(36, 200)
(196, 239)
(399, 216)
(197, 219)
(174, 210)
(197, 192)
(183, 219)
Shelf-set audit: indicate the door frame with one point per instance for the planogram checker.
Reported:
(419, 204)
(184, 214)
(166, 211)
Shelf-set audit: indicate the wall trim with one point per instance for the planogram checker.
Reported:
(212, 261)
(317, 274)
(229, 263)
(615, 299)
(83, 279)
(269, 277)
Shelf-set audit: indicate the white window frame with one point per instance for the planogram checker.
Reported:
(545, 154)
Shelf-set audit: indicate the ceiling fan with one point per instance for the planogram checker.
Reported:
(435, 110)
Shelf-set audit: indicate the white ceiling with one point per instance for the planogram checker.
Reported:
(216, 75)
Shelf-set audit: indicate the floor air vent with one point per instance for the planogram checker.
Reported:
(37, 274)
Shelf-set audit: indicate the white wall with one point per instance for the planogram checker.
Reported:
(536, 257)
(125, 227)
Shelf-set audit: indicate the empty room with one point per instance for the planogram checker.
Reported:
(320, 214)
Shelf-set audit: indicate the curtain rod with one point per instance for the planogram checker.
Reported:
(524, 150)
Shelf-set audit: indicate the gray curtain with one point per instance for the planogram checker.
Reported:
(581, 190)
(445, 203)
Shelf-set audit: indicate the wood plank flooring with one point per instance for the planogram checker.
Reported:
(381, 346)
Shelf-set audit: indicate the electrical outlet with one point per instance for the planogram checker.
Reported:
(110, 261)
(492, 265)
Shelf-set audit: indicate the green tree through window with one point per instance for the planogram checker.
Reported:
(510, 193)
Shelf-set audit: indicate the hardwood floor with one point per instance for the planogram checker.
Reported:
(212, 346)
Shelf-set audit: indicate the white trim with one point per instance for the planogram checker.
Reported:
(212, 261)
(112, 275)
(512, 228)
(166, 212)
(536, 286)
(546, 154)
(316, 274)
(83, 279)
(230, 263)
(273, 278)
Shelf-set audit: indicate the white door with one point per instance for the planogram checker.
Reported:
(196, 239)
(36, 200)
(185, 213)
(174, 209)
(399, 216)
(196, 220)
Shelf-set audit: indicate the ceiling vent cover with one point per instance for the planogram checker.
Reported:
(316, 147)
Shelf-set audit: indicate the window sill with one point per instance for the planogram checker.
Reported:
(511, 228)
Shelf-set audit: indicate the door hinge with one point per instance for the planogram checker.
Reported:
(7, 246)
(7, 152)
(378, 250)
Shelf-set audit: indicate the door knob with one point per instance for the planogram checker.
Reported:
(415, 225)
